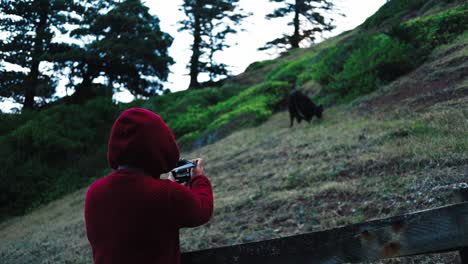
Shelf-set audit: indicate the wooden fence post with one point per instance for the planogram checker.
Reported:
(463, 195)
(437, 230)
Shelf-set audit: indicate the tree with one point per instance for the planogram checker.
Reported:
(308, 19)
(116, 39)
(210, 22)
(30, 26)
(82, 61)
(128, 47)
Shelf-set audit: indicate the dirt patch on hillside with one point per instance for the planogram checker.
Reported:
(394, 166)
(431, 99)
(441, 79)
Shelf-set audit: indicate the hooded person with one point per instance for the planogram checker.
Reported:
(133, 216)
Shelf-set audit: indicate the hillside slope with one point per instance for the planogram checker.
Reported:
(374, 158)
(60, 149)
(389, 143)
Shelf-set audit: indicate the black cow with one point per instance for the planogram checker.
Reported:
(301, 107)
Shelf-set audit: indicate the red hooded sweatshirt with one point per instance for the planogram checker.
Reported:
(131, 215)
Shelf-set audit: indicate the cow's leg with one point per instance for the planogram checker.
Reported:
(291, 117)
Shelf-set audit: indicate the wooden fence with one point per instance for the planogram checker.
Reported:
(436, 230)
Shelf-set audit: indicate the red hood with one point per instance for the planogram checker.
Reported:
(140, 139)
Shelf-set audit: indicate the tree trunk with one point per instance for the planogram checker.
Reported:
(110, 86)
(83, 91)
(32, 80)
(194, 61)
(31, 84)
(296, 38)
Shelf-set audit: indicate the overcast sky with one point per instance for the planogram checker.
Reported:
(257, 31)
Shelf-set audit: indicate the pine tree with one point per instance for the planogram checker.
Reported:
(30, 26)
(119, 40)
(210, 22)
(127, 47)
(83, 61)
(308, 20)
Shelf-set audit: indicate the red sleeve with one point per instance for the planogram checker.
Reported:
(192, 207)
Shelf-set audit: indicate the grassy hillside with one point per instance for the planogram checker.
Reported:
(394, 138)
(61, 149)
(273, 181)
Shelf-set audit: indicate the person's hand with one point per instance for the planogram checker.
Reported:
(198, 170)
(170, 177)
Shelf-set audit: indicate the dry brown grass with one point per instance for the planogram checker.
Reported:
(273, 181)
(51, 234)
(344, 161)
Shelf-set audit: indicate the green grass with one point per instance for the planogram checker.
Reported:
(364, 61)
(428, 32)
(370, 61)
(393, 11)
(259, 65)
(202, 116)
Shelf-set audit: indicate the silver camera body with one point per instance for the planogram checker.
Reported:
(183, 172)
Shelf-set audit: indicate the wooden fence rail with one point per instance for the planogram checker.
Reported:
(436, 230)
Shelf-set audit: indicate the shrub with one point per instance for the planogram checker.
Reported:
(202, 125)
(370, 60)
(198, 117)
(428, 32)
(258, 65)
(58, 150)
(378, 59)
(290, 70)
(361, 65)
(392, 11)
(287, 72)
(330, 63)
(11, 121)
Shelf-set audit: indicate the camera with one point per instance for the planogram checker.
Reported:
(183, 172)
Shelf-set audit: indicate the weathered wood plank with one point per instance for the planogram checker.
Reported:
(464, 255)
(435, 230)
(463, 196)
